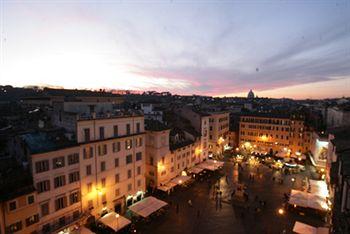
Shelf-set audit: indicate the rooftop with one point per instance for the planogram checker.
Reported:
(180, 144)
(267, 115)
(341, 138)
(108, 115)
(14, 180)
(45, 141)
(155, 125)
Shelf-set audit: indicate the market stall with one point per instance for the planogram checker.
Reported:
(147, 206)
(115, 221)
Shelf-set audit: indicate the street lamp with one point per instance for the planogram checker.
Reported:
(280, 211)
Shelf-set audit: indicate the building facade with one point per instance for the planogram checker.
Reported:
(164, 162)
(218, 132)
(102, 170)
(272, 133)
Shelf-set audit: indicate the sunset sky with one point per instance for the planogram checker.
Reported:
(296, 49)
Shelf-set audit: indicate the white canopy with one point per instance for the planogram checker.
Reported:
(180, 179)
(166, 187)
(303, 228)
(195, 170)
(319, 188)
(147, 206)
(115, 221)
(85, 230)
(211, 165)
(77, 230)
(307, 200)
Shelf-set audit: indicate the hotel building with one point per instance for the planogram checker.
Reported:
(275, 133)
(165, 161)
(101, 169)
(218, 132)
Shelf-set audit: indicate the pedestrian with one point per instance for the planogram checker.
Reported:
(190, 203)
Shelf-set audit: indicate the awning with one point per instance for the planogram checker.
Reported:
(147, 206)
(307, 200)
(76, 230)
(319, 188)
(84, 230)
(195, 170)
(166, 187)
(115, 221)
(211, 165)
(303, 228)
(180, 179)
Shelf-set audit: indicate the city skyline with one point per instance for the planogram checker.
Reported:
(278, 49)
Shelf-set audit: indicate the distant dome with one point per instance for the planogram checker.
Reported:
(250, 94)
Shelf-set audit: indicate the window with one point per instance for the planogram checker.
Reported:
(116, 162)
(129, 174)
(89, 187)
(128, 129)
(88, 170)
(73, 159)
(14, 227)
(138, 156)
(139, 141)
(74, 197)
(60, 203)
(128, 159)
(32, 219)
(138, 129)
(46, 228)
(42, 166)
(138, 183)
(138, 170)
(102, 149)
(74, 177)
(88, 152)
(76, 214)
(128, 144)
(44, 209)
(58, 162)
(87, 134)
(30, 199)
(59, 181)
(102, 133)
(43, 186)
(12, 205)
(103, 166)
(115, 130)
(103, 182)
(129, 187)
(151, 161)
(116, 178)
(117, 192)
(116, 146)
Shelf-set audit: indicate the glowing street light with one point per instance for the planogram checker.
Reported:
(280, 211)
